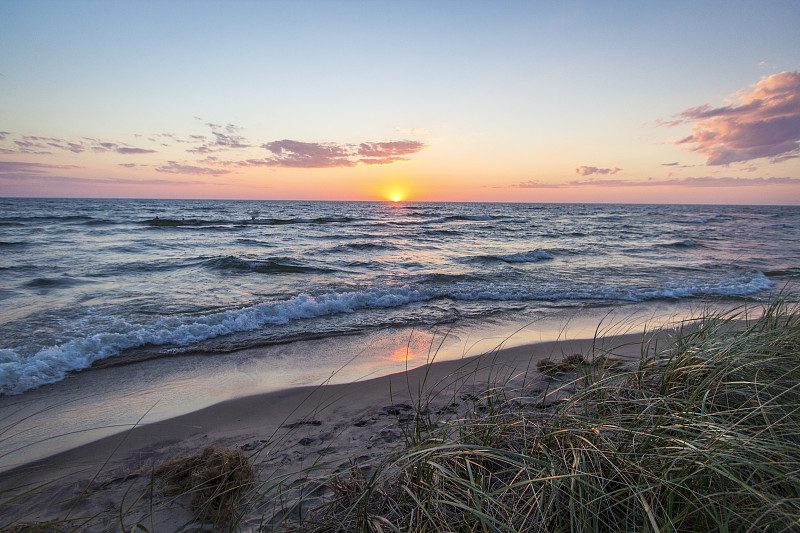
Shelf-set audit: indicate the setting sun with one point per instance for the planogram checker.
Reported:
(395, 198)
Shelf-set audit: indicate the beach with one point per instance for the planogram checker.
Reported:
(336, 266)
(287, 431)
(309, 335)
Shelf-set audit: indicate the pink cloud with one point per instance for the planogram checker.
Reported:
(34, 144)
(586, 171)
(130, 150)
(764, 123)
(386, 153)
(47, 179)
(173, 167)
(296, 154)
(7, 167)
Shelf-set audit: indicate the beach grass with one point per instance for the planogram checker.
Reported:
(702, 434)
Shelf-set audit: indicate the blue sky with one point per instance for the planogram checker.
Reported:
(461, 100)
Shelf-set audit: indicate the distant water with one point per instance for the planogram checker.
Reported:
(89, 280)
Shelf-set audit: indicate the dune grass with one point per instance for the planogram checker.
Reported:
(702, 435)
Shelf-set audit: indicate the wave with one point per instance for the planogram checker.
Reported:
(49, 365)
(272, 265)
(255, 242)
(60, 282)
(40, 218)
(735, 286)
(13, 243)
(101, 222)
(443, 232)
(195, 222)
(361, 246)
(685, 243)
(475, 218)
(137, 267)
(7, 293)
(784, 272)
(318, 220)
(20, 372)
(174, 222)
(533, 256)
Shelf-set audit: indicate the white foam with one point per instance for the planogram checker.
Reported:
(51, 364)
(19, 373)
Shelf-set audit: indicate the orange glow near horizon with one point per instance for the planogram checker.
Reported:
(395, 192)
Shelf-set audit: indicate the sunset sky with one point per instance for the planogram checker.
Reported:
(678, 102)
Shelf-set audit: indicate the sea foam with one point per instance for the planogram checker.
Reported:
(19, 373)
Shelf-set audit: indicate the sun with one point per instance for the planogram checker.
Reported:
(395, 198)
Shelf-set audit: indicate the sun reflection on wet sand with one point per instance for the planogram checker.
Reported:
(416, 348)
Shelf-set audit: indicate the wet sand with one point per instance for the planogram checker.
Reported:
(283, 431)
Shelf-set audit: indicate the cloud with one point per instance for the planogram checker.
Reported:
(99, 181)
(296, 154)
(35, 144)
(705, 181)
(765, 123)
(534, 184)
(586, 171)
(225, 137)
(708, 181)
(8, 167)
(173, 167)
(286, 153)
(386, 153)
(129, 150)
(228, 136)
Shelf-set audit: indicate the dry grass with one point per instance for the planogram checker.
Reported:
(572, 363)
(215, 477)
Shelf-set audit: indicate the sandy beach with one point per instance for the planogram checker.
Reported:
(313, 429)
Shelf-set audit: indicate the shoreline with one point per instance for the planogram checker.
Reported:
(102, 401)
(301, 425)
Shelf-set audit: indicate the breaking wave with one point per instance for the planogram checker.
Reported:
(21, 370)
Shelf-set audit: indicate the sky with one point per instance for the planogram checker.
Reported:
(645, 102)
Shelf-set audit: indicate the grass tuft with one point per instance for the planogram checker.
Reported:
(574, 362)
(215, 477)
